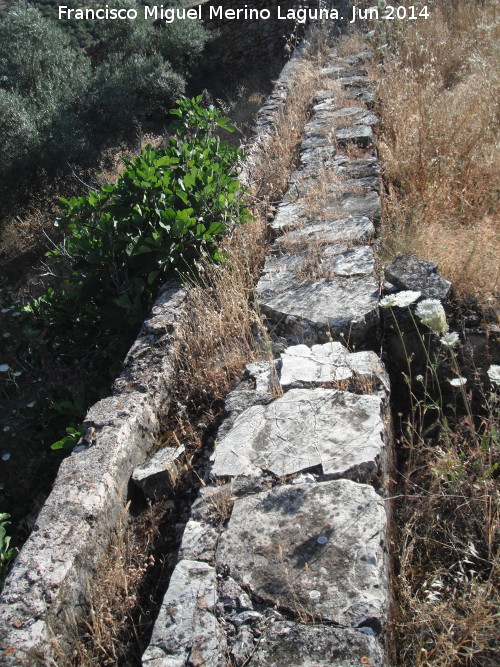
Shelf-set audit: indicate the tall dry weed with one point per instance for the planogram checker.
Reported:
(439, 100)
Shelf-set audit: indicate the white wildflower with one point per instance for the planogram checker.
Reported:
(4, 368)
(450, 339)
(6, 334)
(5, 457)
(494, 374)
(401, 299)
(6, 428)
(31, 405)
(419, 378)
(432, 314)
(406, 298)
(16, 374)
(458, 382)
(388, 301)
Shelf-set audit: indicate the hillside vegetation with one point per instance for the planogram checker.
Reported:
(59, 103)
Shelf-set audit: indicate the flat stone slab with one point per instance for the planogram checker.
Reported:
(186, 631)
(317, 549)
(287, 643)
(337, 430)
(288, 215)
(357, 134)
(303, 366)
(306, 301)
(198, 541)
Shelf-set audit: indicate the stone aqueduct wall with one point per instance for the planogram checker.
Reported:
(47, 584)
(300, 569)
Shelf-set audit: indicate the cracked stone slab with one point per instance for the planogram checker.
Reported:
(318, 309)
(312, 548)
(357, 203)
(186, 631)
(319, 157)
(303, 366)
(339, 431)
(288, 215)
(288, 643)
(358, 134)
(357, 115)
(355, 228)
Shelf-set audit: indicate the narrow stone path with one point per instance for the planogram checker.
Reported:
(284, 559)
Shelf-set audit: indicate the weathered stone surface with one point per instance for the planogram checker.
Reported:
(198, 542)
(336, 72)
(356, 115)
(157, 476)
(287, 215)
(233, 597)
(303, 366)
(314, 548)
(355, 228)
(365, 203)
(186, 631)
(51, 572)
(337, 430)
(410, 273)
(318, 157)
(287, 643)
(357, 134)
(312, 310)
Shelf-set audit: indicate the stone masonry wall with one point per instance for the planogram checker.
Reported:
(284, 558)
(49, 579)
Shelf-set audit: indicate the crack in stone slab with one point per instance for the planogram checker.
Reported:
(337, 430)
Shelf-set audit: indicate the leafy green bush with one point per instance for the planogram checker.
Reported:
(169, 209)
(6, 551)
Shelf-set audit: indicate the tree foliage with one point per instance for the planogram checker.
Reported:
(60, 102)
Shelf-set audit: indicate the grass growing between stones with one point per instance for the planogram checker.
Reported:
(438, 85)
(220, 332)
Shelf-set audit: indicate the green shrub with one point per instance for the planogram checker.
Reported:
(182, 44)
(128, 88)
(169, 209)
(38, 62)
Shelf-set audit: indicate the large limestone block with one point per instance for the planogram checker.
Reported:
(303, 366)
(313, 298)
(355, 228)
(316, 549)
(186, 631)
(287, 643)
(337, 430)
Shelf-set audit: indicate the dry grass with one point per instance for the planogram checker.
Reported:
(439, 102)
(448, 588)
(103, 636)
(217, 332)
